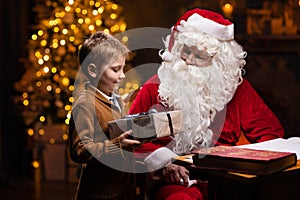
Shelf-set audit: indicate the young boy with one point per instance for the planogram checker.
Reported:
(105, 163)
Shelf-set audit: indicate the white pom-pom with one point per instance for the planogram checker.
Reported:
(167, 56)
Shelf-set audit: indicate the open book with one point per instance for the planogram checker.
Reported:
(260, 158)
(282, 145)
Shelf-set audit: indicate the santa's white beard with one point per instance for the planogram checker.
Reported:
(199, 93)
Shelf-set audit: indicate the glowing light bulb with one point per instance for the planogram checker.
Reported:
(41, 131)
(25, 102)
(65, 81)
(65, 136)
(30, 132)
(34, 37)
(113, 16)
(35, 164)
(227, 9)
(52, 141)
(42, 118)
(46, 69)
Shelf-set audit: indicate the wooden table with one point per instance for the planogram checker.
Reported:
(223, 185)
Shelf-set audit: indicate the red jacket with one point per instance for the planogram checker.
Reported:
(246, 113)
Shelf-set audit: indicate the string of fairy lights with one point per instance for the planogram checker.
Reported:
(51, 67)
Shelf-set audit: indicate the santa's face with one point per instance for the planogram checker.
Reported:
(193, 56)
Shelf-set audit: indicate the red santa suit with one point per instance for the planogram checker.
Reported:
(246, 113)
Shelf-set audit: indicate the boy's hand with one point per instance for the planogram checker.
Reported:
(127, 143)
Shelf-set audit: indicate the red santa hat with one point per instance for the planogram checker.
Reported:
(205, 21)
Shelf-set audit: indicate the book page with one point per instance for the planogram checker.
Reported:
(283, 145)
(186, 158)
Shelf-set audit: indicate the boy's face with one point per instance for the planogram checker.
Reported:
(112, 76)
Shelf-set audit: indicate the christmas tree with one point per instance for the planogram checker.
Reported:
(51, 66)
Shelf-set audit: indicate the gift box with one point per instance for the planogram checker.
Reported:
(147, 126)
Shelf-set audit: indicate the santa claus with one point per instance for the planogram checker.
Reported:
(201, 71)
(201, 75)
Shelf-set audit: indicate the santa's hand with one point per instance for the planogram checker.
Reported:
(175, 174)
(190, 182)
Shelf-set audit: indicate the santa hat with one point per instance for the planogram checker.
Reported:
(205, 21)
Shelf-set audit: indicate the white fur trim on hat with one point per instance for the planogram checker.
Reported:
(159, 158)
(199, 23)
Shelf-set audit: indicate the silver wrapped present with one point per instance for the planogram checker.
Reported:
(147, 126)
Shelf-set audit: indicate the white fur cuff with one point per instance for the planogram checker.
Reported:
(159, 158)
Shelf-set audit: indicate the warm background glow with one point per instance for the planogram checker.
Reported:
(46, 88)
(51, 66)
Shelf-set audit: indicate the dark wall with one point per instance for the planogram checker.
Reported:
(14, 23)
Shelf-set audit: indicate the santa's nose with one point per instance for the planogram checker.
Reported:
(189, 60)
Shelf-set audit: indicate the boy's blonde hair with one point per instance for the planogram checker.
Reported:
(100, 49)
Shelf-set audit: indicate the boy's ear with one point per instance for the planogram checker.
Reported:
(92, 70)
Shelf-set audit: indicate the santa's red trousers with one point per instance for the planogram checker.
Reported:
(179, 192)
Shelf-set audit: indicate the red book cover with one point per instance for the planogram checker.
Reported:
(243, 160)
